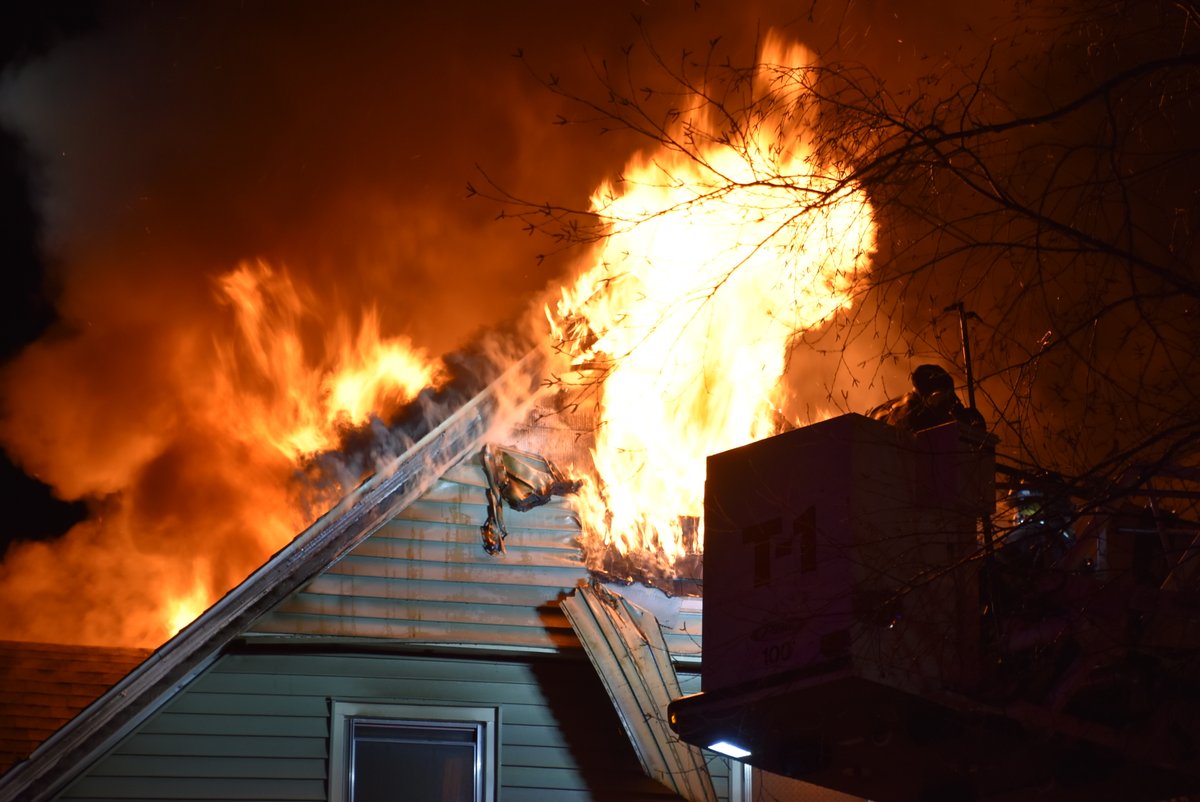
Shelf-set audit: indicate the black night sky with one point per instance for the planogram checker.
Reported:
(29, 30)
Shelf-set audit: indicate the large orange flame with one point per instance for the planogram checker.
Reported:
(205, 490)
(715, 259)
(272, 388)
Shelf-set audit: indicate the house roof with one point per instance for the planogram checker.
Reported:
(43, 686)
(136, 696)
(399, 560)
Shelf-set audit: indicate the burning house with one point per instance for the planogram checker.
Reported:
(385, 635)
(435, 610)
(442, 622)
(515, 606)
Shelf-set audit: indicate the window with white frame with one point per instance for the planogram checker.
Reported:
(393, 751)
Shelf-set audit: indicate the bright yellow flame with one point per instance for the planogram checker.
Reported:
(716, 259)
(183, 609)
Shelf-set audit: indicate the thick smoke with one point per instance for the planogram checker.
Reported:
(175, 141)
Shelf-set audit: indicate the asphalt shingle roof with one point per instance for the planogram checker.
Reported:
(43, 686)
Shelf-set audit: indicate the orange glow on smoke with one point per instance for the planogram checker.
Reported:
(714, 263)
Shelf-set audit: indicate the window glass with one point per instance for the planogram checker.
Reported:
(396, 752)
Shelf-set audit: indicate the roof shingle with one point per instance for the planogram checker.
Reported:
(43, 686)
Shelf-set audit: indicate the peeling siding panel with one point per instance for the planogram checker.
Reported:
(255, 727)
(626, 648)
(425, 578)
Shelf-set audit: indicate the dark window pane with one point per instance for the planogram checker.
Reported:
(402, 762)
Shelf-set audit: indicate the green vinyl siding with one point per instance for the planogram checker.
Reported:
(424, 577)
(256, 727)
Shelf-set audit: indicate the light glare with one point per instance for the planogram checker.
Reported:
(729, 750)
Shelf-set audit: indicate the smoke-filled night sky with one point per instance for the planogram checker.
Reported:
(150, 149)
